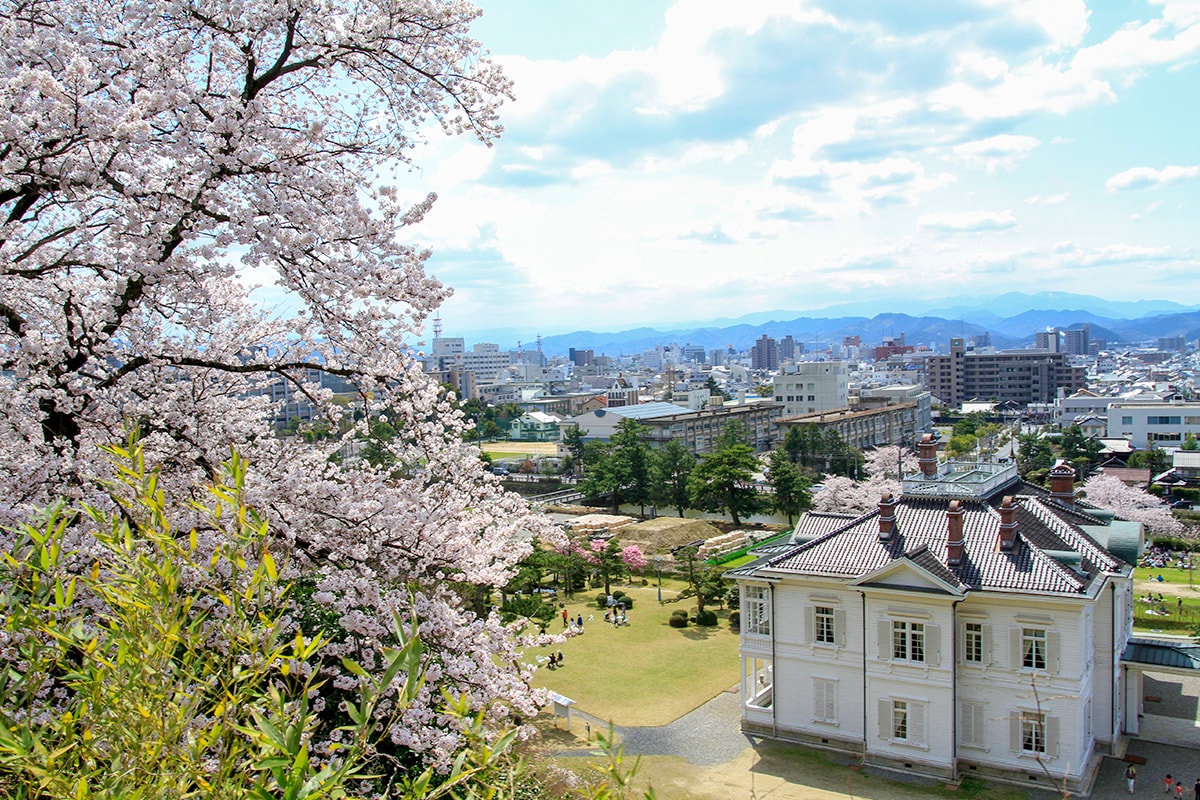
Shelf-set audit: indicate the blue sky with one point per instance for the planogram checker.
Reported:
(665, 162)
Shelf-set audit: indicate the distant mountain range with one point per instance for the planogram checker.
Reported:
(1011, 319)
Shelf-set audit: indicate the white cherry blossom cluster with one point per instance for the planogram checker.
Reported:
(152, 156)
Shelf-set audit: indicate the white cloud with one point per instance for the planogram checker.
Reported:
(1003, 150)
(1047, 200)
(1150, 178)
(955, 223)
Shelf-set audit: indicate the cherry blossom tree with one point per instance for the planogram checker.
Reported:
(842, 495)
(157, 158)
(1109, 491)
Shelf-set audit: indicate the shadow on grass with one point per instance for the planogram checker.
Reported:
(840, 773)
(700, 632)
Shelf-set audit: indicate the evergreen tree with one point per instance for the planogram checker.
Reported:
(670, 468)
(791, 488)
(723, 482)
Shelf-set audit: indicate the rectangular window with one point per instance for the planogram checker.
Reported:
(824, 700)
(973, 724)
(973, 643)
(900, 720)
(758, 610)
(823, 616)
(1033, 732)
(1126, 420)
(1033, 648)
(908, 641)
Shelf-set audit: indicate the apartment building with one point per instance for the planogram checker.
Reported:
(812, 386)
(1014, 376)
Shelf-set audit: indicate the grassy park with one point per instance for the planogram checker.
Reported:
(646, 672)
(1178, 612)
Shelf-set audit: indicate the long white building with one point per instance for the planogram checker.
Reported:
(974, 625)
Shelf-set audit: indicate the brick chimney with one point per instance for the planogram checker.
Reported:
(887, 517)
(1008, 525)
(927, 455)
(954, 533)
(1062, 483)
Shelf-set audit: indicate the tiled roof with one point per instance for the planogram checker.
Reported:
(854, 549)
(1177, 654)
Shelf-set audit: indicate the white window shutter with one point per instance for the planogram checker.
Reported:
(839, 627)
(961, 643)
(933, 645)
(885, 719)
(1015, 648)
(818, 711)
(1052, 651)
(1014, 731)
(1051, 737)
(987, 644)
(916, 723)
(884, 631)
(810, 624)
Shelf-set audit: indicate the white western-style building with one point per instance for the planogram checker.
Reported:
(974, 625)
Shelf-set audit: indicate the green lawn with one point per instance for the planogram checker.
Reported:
(1146, 576)
(646, 672)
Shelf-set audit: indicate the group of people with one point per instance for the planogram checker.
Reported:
(1171, 785)
(617, 616)
(1162, 558)
(556, 660)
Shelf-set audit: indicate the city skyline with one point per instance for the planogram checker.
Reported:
(667, 162)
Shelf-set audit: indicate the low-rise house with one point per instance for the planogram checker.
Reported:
(535, 426)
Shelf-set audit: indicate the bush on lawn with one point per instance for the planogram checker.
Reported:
(706, 617)
(678, 620)
(602, 600)
(735, 620)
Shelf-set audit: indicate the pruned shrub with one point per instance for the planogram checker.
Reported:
(706, 617)
(678, 620)
(735, 620)
(602, 600)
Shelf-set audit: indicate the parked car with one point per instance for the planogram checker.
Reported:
(1183, 504)
(500, 471)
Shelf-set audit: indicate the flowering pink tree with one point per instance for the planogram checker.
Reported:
(1109, 491)
(156, 159)
(610, 558)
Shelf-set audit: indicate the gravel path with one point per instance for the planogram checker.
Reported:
(707, 736)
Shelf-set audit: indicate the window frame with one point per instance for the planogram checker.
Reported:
(1033, 733)
(908, 641)
(973, 642)
(1034, 648)
(825, 625)
(756, 603)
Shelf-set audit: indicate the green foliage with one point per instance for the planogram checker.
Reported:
(1154, 459)
(1189, 442)
(572, 439)
(670, 468)
(821, 452)
(526, 606)
(678, 620)
(706, 617)
(619, 467)
(792, 493)
(1076, 447)
(1033, 453)
(723, 482)
(961, 445)
(735, 619)
(715, 390)
(170, 675)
